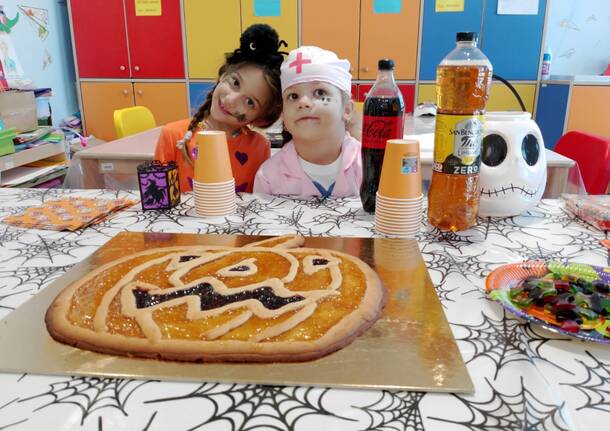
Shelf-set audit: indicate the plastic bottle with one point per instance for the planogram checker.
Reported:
(546, 64)
(384, 111)
(463, 80)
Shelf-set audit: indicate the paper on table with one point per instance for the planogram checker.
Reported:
(517, 7)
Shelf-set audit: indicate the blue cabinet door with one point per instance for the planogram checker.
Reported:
(198, 91)
(551, 111)
(438, 33)
(512, 42)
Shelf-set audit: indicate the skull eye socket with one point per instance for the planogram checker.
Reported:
(493, 150)
(530, 148)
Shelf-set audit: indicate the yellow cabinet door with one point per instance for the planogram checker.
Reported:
(426, 93)
(388, 35)
(100, 99)
(167, 101)
(332, 25)
(212, 29)
(588, 110)
(500, 98)
(253, 12)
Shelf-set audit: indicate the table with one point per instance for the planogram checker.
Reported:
(525, 377)
(113, 165)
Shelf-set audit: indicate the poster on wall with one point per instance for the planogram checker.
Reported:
(3, 83)
(148, 7)
(38, 19)
(6, 23)
(8, 58)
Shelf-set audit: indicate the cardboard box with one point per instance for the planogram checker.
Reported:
(18, 110)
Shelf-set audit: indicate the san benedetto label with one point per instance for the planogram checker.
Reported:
(457, 144)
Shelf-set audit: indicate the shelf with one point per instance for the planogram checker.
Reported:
(30, 155)
(36, 179)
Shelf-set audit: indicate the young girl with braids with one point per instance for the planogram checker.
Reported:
(248, 91)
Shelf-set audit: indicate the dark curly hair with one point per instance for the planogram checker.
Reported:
(259, 45)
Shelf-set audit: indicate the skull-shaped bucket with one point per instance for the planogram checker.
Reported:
(513, 164)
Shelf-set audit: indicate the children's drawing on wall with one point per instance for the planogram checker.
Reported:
(8, 58)
(5, 23)
(46, 59)
(3, 82)
(569, 24)
(568, 53)
(38, 19)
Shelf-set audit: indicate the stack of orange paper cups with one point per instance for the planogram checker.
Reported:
(213, 182)
(399, 202)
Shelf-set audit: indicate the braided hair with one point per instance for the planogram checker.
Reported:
(259, 45)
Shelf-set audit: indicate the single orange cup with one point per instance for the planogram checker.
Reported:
(212, 164)
(401, 171)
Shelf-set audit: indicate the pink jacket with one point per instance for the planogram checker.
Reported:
(282, 174)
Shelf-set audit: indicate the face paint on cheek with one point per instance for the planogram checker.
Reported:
(240, 117)
(325, 100)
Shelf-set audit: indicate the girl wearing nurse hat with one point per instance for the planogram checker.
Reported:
(322, 159)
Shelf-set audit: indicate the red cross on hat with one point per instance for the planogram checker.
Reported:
(299, 62)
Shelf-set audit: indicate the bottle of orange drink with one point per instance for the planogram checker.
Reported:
(463, 80)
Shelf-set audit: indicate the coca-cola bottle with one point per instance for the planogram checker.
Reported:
(383, 119)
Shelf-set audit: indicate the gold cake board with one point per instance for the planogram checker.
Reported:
(410, 347)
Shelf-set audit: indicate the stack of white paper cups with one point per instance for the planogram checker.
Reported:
(399, 200)
(213, 182)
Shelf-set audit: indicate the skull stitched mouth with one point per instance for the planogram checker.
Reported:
(512, 188)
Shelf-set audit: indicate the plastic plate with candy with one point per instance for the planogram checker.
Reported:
(569, 298)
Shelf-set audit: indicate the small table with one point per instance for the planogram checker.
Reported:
(114, 165)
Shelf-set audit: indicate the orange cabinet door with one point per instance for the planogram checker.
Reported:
(167, 101)
(100, 99)
(388, 35)
(332, 25)
(588, 110)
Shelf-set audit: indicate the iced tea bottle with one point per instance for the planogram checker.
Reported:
(463, 80)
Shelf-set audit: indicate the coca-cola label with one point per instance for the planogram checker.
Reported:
(457, 144)
(377, 130)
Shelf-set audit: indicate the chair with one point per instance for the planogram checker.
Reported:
(592, 154)
(129, 121)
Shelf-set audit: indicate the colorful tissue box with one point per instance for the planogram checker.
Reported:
(159, 185)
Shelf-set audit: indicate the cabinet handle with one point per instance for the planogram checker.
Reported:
(122, 67)
(140, 92)
(136, 68)
(125, 92)
(365, 69)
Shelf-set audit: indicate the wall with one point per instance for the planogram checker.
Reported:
(578, 33)
(31, 51)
